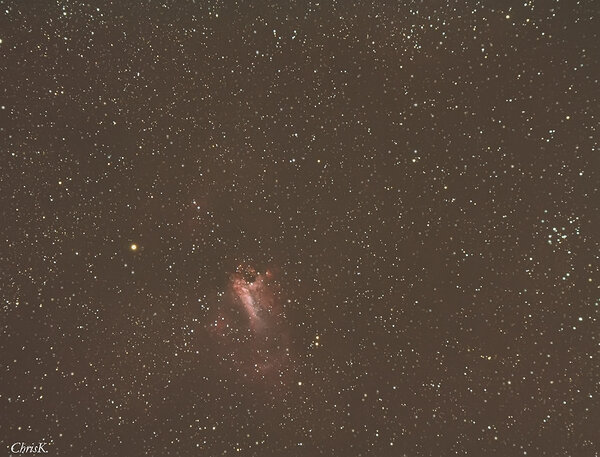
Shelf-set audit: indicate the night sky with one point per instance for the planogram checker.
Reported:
(300, 228)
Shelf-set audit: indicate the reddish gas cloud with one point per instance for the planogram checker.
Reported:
(251, 326)
(257, 296)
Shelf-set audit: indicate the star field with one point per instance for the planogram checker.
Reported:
(299, 228)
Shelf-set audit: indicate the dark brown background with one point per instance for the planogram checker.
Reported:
(421, 176)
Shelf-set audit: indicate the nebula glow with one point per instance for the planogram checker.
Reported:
(251, 326)
(256, 299)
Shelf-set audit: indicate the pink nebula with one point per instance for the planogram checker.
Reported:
(258, 345)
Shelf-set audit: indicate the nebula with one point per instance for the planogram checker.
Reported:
(251, 326)
(256, 296)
